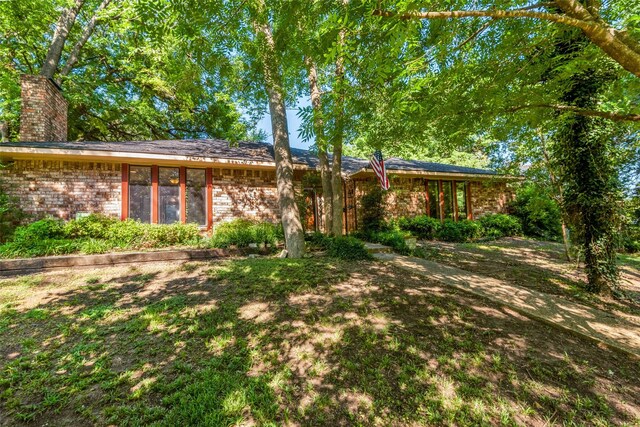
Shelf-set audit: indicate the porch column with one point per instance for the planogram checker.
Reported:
(154, 194)
(183, 194)
(209, 179)
(124, 193)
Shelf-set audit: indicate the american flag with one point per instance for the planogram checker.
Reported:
(377, 164)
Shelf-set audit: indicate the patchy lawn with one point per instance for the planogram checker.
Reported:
(540, 266)
(290, 342)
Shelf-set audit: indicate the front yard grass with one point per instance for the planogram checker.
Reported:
(298, 342)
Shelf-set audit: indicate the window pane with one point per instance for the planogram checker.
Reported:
(196, 196)
(448, 199)
(168, 195)
(461, 190)
(434, 199)
(140, 193)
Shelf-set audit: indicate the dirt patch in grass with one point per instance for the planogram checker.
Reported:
(540, 266)
(290, 342)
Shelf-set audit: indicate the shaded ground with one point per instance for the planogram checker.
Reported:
(293, 342)
(540, 266)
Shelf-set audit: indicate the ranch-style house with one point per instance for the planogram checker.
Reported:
(209, 181)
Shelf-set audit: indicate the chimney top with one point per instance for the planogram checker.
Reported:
(44, 110)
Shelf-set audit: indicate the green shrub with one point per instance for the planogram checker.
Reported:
(372, 212)
(495, 226)
(395, 239)
(93, 246)
(242, 232)
(318, 240)
(421, 226)
(35, 248)
(11, 216)
(125, 234)
(461, 231)
(539, 214)
(268, 233)
(92, 226)
(348, 248)
(43, 229)
(160, 235)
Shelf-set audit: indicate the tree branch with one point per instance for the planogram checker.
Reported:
(620, 47)
(86, 34)
(580, 111)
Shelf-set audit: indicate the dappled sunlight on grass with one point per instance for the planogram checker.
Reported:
(290, 342)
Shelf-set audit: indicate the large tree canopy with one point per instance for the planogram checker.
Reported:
(125, 77)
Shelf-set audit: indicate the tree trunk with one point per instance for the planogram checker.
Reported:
(558, 199)
(293, 231)
(565, 240)
(63, 27)
(321, 143)
(4, 131)
(86, 34)
(336, 166)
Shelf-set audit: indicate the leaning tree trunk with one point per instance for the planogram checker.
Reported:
(321, 143)
(63, 27)
(293, 231)
(86, 34)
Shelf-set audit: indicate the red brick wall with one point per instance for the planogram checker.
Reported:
(44, 110)
(240, 193)
(407, 197)
(62, 189)
(490, 197)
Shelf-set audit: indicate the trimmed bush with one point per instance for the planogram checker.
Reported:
(495, 226)
(461, 231)
(348, 248)
(421, 226)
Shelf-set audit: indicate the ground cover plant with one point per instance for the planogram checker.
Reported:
(241, 233)
(314, 341)
(95, 234)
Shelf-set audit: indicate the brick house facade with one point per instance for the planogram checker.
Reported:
(209, 181)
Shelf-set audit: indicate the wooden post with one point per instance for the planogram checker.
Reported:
(454, 199)
(355, 205)
(124, 193)
(469, 207)
(426, 197)
(441, 197)
(183, 194)
(154, 194)
(209, 179)
(346, 207)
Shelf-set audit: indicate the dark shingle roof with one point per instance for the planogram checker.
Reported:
(244, 150)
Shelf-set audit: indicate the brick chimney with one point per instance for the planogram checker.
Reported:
(44, 110)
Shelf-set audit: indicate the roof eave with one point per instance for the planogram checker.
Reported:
(34, 153)
(422, 173)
